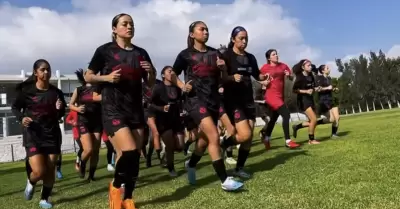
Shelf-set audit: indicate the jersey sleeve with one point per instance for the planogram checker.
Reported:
(155, 99)
(19, 105)
(98, 62)
(60, 96)
(180, 64)
(254, 66)
(298, 83)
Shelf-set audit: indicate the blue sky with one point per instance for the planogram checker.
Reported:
(336, 27)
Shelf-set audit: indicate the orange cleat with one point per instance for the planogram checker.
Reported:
(114, 197)
(128, 204)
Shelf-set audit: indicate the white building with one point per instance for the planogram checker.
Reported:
(66, 82)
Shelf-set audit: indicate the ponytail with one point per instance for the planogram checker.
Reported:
(113, 37)
(80, 75)
(230, 45)
(29, 81)
(190, 41)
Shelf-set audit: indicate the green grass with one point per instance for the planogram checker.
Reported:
(359, 170)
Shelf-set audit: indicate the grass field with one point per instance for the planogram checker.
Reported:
(359, 170)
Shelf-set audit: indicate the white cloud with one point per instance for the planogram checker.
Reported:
(68, 40)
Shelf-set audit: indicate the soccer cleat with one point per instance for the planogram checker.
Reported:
(231, 184)
(230, 161)
(191, 173)
(29, 190)
(59, 175)
(128, 204)
(114, 197)
(292, 144)
(242, 174)
(45, 204)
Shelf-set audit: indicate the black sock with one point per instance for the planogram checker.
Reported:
(59, 162)
(187, 145)
(230, 141)
(171, 167)
(242, 158)
(158, 151)
(92, 170)
(219, 168)
(46, 192)
(320, 121)
(311, 137)
(229, 153)
(299, 126)
(150, 152)
(120, 170)
(194, 159)
(334, 129)
(132, 174)
(82, 169)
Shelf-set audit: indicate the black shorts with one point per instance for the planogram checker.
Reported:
(164, 125)
(222, 110)
(38, 150)
(89, 124)
(304, 104)
(198, 110)
(112, 125)
(238, 113)
(189, 123)
(325, 106)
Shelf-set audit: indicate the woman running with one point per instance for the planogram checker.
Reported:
(122, 68)
(225, 127)
(165, 101)
(203, 67)
(72, 119)
(304, 86)
(238, 96)
(39, 106)
(150, 126)
(327, 105)
(274, 97)
(86, 101)
(111, 154)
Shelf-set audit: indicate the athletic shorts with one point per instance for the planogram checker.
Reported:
(189, 123)
(325, 106)
(164, 125)
(112, 125)
(238, 113)
(90, 125)
(222, 110)
(304, 104)
(37, 150)
(198, 110)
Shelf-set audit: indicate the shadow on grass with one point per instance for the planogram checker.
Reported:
(81, 196)
(341, 134)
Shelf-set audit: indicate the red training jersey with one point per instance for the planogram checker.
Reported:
(72, 119)
(275, 89)
(104, 136)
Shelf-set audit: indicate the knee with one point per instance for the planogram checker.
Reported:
(40, 172)
(88, 150)
(245, 135)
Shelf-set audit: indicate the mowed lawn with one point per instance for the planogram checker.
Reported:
(359, 170)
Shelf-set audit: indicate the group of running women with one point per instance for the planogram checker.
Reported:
(121, 98)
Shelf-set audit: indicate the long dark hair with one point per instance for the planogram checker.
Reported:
(234, 33)
(32, 78)
(298, 68)
(321, 68)
(81, 76)
(190, 40)
(114, 23)
(268, 54)
(164, 69)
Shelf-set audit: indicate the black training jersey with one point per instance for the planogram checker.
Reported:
(245, 65)
(147, 92)
(166, 95)
(324, 82)
(85, 97)
(40, 106)
(121, 99)
(303, 82)
(201, 69)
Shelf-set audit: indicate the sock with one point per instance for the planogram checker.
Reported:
(113, 159)
(82, 167)
(229, 153)
(46, 192)
(120, 169)
(194, 159)
(28, 169)
(311, 137)
(230, 141)
(171, 167)
(187, 145)
(92, 170)
(132, 174)
(242, 158)
(299, 126)
(320, 121)
(158, 151)
(220, 169)
(77, 159)
(334, 129)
